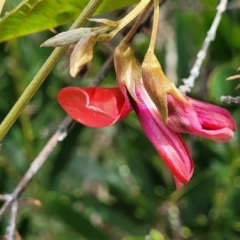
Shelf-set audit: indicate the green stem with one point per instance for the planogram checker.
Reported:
(155, 26)
(129, 17)
(136, 25)
(44, 72)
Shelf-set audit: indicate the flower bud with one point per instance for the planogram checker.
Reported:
(128, 69)
(82, 53)
(66, 38)
(157, 84)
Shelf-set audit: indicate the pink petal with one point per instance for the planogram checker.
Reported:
(94, 106)
(212, 116)
(169, 144)
(200, 118)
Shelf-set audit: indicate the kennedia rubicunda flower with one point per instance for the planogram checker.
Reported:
(164, 112)
(95, 106)
(203, 119)
(161, 121)
(168, 143)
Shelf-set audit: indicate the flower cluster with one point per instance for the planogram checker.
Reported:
(163, 111)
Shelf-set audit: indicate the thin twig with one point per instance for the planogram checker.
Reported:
(174, 220)
(12, 223)
(104, 71)
(194, 73)
(58, 136)
(230, 99)
(148, 17)
(233, 6)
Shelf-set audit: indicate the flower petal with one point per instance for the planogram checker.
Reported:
(212, 116)
(203, 119)
(169, 144)
(94, 106)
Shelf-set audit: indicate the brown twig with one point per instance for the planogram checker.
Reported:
(104, 71)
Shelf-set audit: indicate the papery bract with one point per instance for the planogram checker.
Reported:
(158, 85)
(94, 106)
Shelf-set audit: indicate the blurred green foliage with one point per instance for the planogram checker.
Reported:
(110, 183)
(37, 15)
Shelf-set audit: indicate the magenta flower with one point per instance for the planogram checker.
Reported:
(203, 119)
(101, 107)
(162, 111)
(168, 143)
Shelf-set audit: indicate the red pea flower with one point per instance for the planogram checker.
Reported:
(200, 118)
(168, 143)
(94, 106)
(163, 114)
(101, 107)
(203, 119)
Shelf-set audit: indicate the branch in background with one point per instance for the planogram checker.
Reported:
(230, 99)
(107, 66)
(59, 135)
(233, 6)
(11, 200)
(12, 222)
(189, 82)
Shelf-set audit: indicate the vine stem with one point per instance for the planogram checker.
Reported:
(44, 72)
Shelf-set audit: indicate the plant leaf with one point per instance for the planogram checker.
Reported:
(37, 15)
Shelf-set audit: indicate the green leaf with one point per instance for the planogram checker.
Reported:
(37, 15)
(218, 85)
